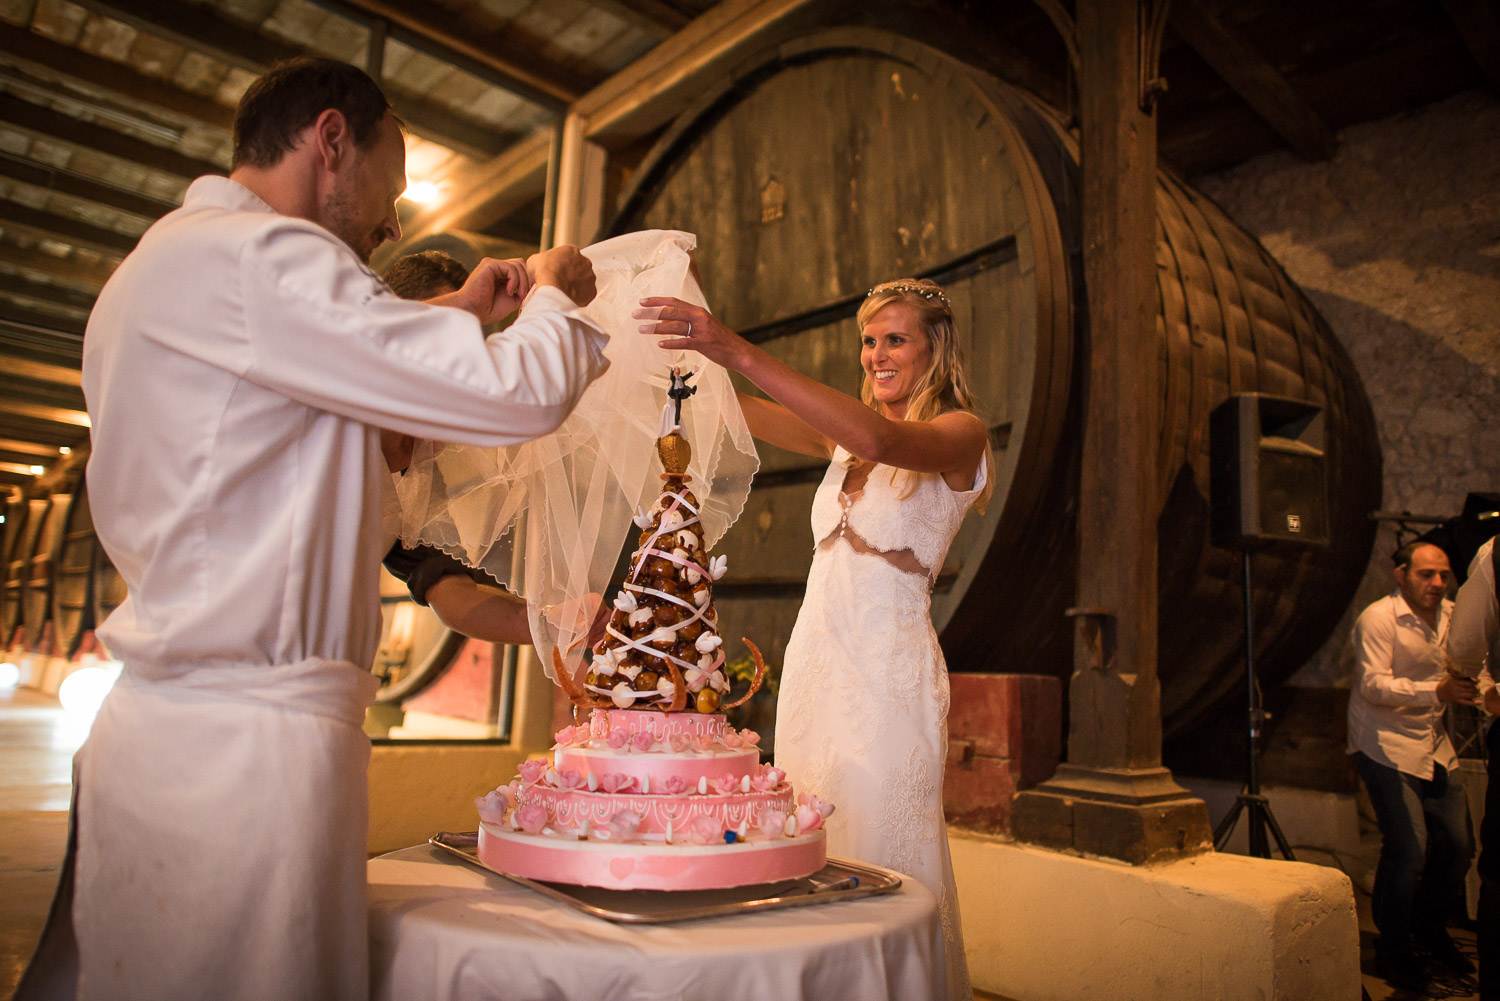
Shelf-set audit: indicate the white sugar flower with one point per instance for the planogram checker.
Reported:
(625, 601)
(604, 665)
(717, 566)
(642, 519)
(623, 695)
(708, 643)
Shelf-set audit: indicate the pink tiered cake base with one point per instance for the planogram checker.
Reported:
(647, 800)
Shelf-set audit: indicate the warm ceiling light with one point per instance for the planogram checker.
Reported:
(421, 192)
(64, 450)
(38, 470)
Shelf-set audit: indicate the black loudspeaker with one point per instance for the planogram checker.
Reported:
(1268, 480)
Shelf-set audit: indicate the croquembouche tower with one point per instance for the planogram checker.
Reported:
(655, 790)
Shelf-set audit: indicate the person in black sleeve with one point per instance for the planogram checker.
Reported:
(464, 599)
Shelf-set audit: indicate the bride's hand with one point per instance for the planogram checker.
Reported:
(687, 327)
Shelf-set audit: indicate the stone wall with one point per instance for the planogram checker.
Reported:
(1396, 240)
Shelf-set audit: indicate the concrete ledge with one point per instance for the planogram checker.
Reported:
(1041, 925)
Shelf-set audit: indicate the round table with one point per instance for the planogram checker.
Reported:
(441, 929)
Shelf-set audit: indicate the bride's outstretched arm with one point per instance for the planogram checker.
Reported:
(952, 442)
(771, 422)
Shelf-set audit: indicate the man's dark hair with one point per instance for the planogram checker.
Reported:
(290, 96)
(425, 275)
(1401, 558)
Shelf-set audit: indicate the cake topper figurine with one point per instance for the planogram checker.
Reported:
(679, 391)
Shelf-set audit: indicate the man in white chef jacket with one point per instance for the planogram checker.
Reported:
(236, 366)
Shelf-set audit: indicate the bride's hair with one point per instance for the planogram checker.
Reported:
(943, 387)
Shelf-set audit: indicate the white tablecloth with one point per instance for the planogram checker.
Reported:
(441, 930)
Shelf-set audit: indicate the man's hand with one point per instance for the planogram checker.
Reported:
(1464, 691)
(566, 269)
(493, 291)
(1492, 701)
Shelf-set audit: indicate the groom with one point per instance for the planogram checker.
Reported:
(236, 367)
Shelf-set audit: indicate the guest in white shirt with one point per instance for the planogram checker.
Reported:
(1474, 646)
(236, 367)
(1403, 754)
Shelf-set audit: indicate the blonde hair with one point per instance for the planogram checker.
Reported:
(943, 387)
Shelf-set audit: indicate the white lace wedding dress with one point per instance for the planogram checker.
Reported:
(861, 719)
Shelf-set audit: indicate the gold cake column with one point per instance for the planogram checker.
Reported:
(1112, 797)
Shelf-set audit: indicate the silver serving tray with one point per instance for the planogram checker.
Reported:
(839, 879)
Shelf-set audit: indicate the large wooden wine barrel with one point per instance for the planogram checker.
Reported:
(853, 156)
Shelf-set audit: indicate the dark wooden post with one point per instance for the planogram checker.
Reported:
(1112, 797)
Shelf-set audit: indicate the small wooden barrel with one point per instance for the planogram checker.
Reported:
(73, 574)
(36, 580)
(854, 156)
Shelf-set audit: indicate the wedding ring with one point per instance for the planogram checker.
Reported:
(690, 328)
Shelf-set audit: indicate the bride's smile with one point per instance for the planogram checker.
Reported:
(895, 355)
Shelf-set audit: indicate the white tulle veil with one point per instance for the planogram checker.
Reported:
(579, 487)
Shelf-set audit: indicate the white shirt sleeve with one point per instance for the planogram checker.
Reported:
(1374, 652)
(1474, 629)
(326, 332)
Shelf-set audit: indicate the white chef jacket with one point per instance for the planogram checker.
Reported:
(1395, 716)
(233, 367)
(236, 366)
(1474, 630)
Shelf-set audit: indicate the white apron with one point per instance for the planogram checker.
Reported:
(277, 869)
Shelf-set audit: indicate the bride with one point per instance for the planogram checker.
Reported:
(862, 714)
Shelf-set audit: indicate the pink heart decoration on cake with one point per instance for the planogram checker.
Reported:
(772, 823)
(532, 817)
(492, 807)
(705, 831)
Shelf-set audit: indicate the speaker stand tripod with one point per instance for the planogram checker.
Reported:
(1256, 807)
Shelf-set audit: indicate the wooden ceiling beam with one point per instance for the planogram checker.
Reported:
(39, 322)
(67, 230)
(46, 292)
(21, 451)
(489, 192)
(1253, 78)
(77, 132)
(66, 182)
(42, 372)
(506, 57)
(1478, 27)
(62, 267)
(198, 29)
(40, 392)
(43, 412)
(651, 16)
(113, 76)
